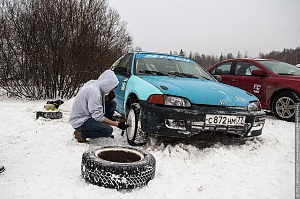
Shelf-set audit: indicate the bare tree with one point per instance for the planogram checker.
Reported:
(49, 48)
(291, 56)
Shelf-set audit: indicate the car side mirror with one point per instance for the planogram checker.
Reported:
(218, 78)
(121, 71)
(259, 73)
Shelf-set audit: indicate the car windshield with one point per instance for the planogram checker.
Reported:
(281, 68)
(164, 65)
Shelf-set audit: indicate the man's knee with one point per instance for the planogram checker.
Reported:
(114, 105)
(110, 130)
(103, 132)
(111, 105)
(106, 132)
(110, 109)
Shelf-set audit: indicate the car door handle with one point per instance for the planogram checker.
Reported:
(234, 80)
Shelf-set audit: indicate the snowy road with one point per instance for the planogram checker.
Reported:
(43, 160)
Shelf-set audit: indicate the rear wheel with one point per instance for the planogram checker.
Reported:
(135, 135)
(284, 106)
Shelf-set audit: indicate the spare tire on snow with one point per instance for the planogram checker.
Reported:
(49, 114)
(119, 167)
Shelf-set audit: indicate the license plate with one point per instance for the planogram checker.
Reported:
(227, 120)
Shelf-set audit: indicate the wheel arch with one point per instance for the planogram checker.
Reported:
(132, 98)
(282, 91)
(138, 89)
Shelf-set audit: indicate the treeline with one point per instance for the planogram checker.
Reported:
(49, 48)
(291, 56)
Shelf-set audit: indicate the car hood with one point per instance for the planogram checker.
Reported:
(201, 91)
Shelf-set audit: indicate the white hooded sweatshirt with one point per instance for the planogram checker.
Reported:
(90, 100)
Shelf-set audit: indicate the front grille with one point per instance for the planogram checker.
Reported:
(201, 126)
(219, 107)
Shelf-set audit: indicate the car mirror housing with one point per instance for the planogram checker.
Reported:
(259, 73)
(218, 78)
(121, 71)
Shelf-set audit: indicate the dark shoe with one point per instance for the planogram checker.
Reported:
(79, 137)
(2, 168)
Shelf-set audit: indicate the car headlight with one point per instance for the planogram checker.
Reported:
(176, 101)
(168, 100)
(254, 106)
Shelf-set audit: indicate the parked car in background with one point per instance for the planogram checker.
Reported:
(172, 96)
(275, 83)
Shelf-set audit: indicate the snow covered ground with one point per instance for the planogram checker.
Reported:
(42, 160)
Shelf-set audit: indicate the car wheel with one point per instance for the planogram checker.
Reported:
(284, 106)
(118, 167)
(135, 135)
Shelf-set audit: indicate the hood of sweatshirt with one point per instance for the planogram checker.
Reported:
(107, 81)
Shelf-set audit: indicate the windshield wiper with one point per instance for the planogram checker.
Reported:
(152, 72)
(197, 76)
(202, 77)
(177, 74)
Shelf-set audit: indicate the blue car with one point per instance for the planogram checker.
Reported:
(172, 96)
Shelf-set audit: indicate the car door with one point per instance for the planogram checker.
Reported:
(122, 70)
(244, 79)
(224, 70)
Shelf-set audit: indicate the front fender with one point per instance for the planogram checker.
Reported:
(141, 88)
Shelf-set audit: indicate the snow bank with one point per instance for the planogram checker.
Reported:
(43, 160)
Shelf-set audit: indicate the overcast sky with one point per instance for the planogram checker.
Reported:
(212, 26)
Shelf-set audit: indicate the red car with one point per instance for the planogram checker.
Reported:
(275, 83)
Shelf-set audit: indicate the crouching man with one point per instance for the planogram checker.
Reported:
(93, 109)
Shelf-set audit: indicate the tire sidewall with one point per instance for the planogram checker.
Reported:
(130, 139)
(115, 174)
(290, 95)
(139, 138)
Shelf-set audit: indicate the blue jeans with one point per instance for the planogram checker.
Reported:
(94, 129)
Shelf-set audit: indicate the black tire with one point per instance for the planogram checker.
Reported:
(283, 106)
(135, 135)
(49, 114)
(118, 167)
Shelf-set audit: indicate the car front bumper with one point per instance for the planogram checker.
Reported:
(185, 122)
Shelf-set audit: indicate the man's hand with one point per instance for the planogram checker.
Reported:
(122, 125)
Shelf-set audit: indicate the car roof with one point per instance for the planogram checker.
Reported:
(156, 53)
(244, 59)
(163, 55)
